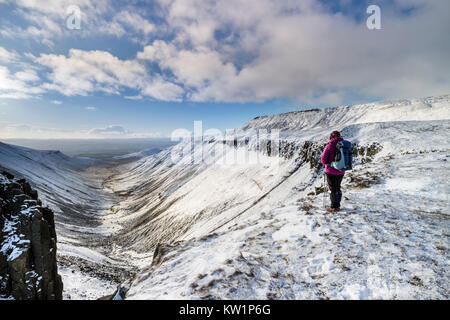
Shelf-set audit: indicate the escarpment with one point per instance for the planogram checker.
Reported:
(28, 269)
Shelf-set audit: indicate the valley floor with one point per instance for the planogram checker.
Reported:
(88, 265)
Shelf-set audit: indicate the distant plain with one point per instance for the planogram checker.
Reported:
(94, 148)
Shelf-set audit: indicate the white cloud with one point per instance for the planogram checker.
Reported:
(47, 20)
(138, 97)
(163, 90)
(59, 7)
(135, 21)
(126, 22)
(8, 56)
(91, 108)
(192, 68)
(17, 86)
(56, 102)
(109, 130)
(301, 51)
(85, 72)
(44, 26)
(27, 76)
(240, 51)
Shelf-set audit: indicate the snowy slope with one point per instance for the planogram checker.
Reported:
(432, 108)
(275, 241)
(78, 199)
(168, 201)
(52, 173)
(373, 250)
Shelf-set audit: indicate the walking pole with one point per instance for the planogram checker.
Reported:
(324, 188)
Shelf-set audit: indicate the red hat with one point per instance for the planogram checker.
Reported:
(335, 134)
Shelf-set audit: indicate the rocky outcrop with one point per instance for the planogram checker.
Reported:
(160, 251)
(28, 269)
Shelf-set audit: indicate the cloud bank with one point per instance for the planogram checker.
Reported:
(23, 131)
(239, 51)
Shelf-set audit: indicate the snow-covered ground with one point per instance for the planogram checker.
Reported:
(255, 227)
(389, 242)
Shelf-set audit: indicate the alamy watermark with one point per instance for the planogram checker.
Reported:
(229, 148)
(374, 20)
(73, 20)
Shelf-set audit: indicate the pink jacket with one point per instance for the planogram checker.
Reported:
(328, 156)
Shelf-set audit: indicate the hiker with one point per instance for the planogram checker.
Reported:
(334, 176)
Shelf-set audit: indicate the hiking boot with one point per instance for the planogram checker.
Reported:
(332, 210)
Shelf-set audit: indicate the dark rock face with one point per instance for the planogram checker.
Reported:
(28, 269)
(160, 251)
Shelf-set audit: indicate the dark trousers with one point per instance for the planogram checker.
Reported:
(334, 184)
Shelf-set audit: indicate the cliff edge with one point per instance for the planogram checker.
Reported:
(28, 269)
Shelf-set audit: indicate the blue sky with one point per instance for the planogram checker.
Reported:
(146, 68)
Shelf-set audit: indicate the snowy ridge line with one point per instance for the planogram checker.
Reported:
(426, 109)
